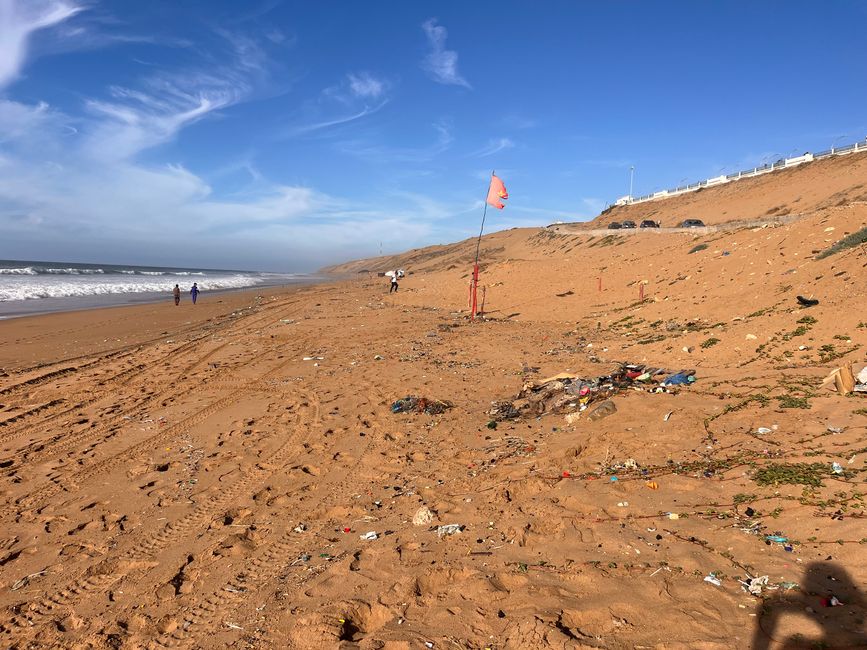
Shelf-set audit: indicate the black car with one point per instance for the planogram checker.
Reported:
(649, 223)
(627, 224)
(691, 223)
(614, 225)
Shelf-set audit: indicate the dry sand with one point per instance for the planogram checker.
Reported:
(179, 477)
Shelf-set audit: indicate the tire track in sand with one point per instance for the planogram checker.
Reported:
(274, 559)
(69, 441)
(100, 578)
(223, 328)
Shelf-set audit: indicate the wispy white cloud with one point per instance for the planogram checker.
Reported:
(81, 174)
(494, 146)
(82, 177)
(356, 96)
(18, 21)
(310, 127)
(441, 64)
(376, 152)
(366, 85)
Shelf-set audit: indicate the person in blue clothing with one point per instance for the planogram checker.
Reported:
(194, 292)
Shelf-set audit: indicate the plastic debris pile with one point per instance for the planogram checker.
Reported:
(568, 393)
(413, 404)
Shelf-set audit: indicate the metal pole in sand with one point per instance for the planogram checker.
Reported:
(475, 282)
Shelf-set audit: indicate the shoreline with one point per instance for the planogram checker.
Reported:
(33, 340)
(45, 306)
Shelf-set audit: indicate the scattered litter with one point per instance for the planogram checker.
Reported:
(673, 515)
(755, 585)
(836, 430)
(423, 516)
(26, 579)
(232, 626)
(378, 357)
(844, 380)
(623, 504)
(807, 302)
(833, 601)
(679, 379)
(449, 529)
(300, 528)
(711, 578)
(837, 468)
(313, 359)
(370, 536)
(763, 430)
(779, 539)
(630, 463)
(653, 485)
(412, 404)
(667, 416)
(614, 479)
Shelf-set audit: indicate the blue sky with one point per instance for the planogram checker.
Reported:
(288, 135)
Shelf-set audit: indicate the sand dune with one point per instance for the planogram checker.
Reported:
(204, 479)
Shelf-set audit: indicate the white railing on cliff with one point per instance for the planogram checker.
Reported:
(783, 163)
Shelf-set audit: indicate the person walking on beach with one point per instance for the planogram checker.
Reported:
(393, 282)
(194, 292)
(177, 294)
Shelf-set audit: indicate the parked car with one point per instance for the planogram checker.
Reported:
(691, 223)
(649, 223)
(614, 225)
(627, 224)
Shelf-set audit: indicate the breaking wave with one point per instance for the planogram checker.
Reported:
(26, 280)
(93, 285)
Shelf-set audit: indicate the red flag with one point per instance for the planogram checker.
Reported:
(496, 192)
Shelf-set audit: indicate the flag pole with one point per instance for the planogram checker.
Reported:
(475, 281)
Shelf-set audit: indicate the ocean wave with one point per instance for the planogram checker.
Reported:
(94, 285)
(28, 270)
(161, 273)
(75, 271)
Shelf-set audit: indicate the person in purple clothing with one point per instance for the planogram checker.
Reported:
(194, 292)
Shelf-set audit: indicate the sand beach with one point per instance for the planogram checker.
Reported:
(249, 473)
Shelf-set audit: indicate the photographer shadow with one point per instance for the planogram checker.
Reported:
(828, 604)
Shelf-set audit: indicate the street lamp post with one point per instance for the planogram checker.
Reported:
(631, 176)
